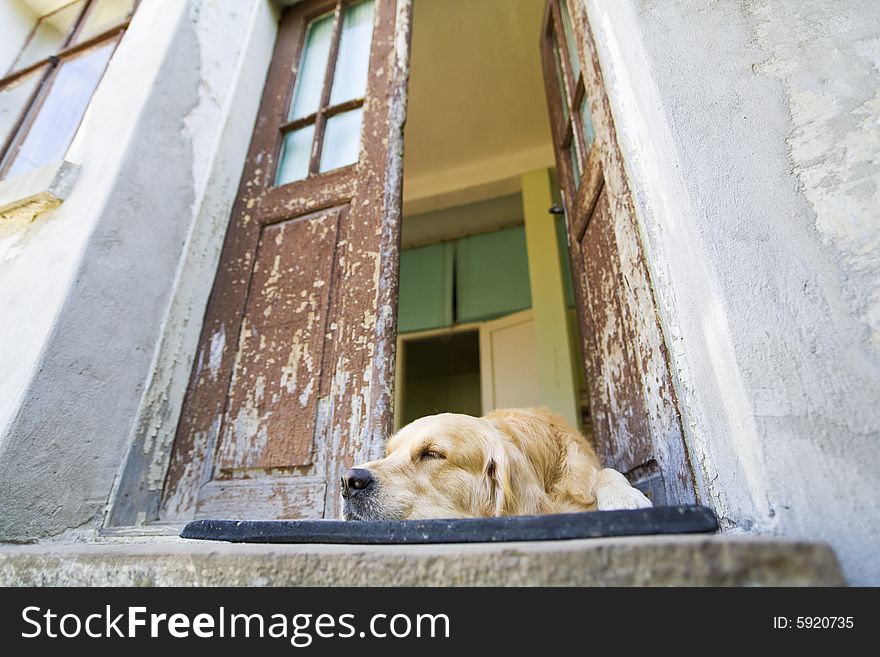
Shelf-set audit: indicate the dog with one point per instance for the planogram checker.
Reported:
(509, 462)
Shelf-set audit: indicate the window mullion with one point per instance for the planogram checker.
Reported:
(577, 128)
(346, 106)
(92, 42)
(321, 118)
(562, 45)
(21, 50)
(30, 112)
(78, 25)
(296, 124)
(16, 127)
(580, 92)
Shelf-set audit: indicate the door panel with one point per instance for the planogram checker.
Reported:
(283, 497)
(293, 376)
(273, 396)
(616, 405)
(636, 423)
(509, 362)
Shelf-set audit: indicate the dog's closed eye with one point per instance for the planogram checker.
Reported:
(431, 454)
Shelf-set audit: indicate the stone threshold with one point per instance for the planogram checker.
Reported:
(671, 560)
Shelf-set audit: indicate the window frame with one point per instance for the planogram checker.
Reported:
(571, 97)
(579, 194)
(325, 111)
(53, 63)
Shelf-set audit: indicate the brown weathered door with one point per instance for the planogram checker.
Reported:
(635, 419)
(293, 375)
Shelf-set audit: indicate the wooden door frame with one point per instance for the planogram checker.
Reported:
(604, 173)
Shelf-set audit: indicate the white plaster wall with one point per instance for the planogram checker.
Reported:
(16, 22)
(232, 111)
(88, 289)
(751, 135)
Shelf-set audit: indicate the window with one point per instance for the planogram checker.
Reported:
(579, 134)
(46, 91)
(324, 120)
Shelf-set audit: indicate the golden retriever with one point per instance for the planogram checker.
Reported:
(510, 462)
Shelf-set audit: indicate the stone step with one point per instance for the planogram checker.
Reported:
(669, 560)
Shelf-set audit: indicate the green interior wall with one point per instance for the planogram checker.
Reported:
(562, 241)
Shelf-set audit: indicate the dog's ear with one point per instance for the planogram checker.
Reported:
(510, 483)
(494, 486)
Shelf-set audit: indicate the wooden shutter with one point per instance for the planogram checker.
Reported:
(293, 376)
(634, 412)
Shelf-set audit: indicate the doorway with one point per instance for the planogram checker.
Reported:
(293, 379)
(438, 373)
(477, 250)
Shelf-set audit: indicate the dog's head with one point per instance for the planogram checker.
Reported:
(440, 466)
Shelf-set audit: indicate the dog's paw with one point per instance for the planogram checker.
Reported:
(620, 497)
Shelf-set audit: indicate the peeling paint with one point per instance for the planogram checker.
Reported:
(218, 344)
(835, 138)
(221, 128)
(748, 146)
(635, 419)
(311, 292)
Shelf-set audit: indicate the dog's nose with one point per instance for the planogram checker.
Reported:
(356, 479)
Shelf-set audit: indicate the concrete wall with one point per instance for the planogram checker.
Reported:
(98, 292)
(16, 22)
(750, 132)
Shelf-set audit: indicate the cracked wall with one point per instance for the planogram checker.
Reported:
(750, 132)
(109, 286)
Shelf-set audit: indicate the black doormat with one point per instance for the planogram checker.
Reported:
(594, 524)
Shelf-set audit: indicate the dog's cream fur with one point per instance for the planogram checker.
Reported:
(509, 462)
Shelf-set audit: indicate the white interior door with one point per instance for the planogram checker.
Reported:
(509, 362)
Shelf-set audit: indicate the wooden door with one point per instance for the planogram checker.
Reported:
(634, 412)
(293, 376)
(509, 375)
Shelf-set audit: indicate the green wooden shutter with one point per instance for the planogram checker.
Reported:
(425, 288)
(492, 275)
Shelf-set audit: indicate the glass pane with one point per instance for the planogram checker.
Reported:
(575, 162)
(312, 67)
(353, 60)
(563, 89)
(60, 115)
(587, 123)
(49, 37)
(13, 99)
(569, 41)
(296, 152)
(103, 15)
(342, 140)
